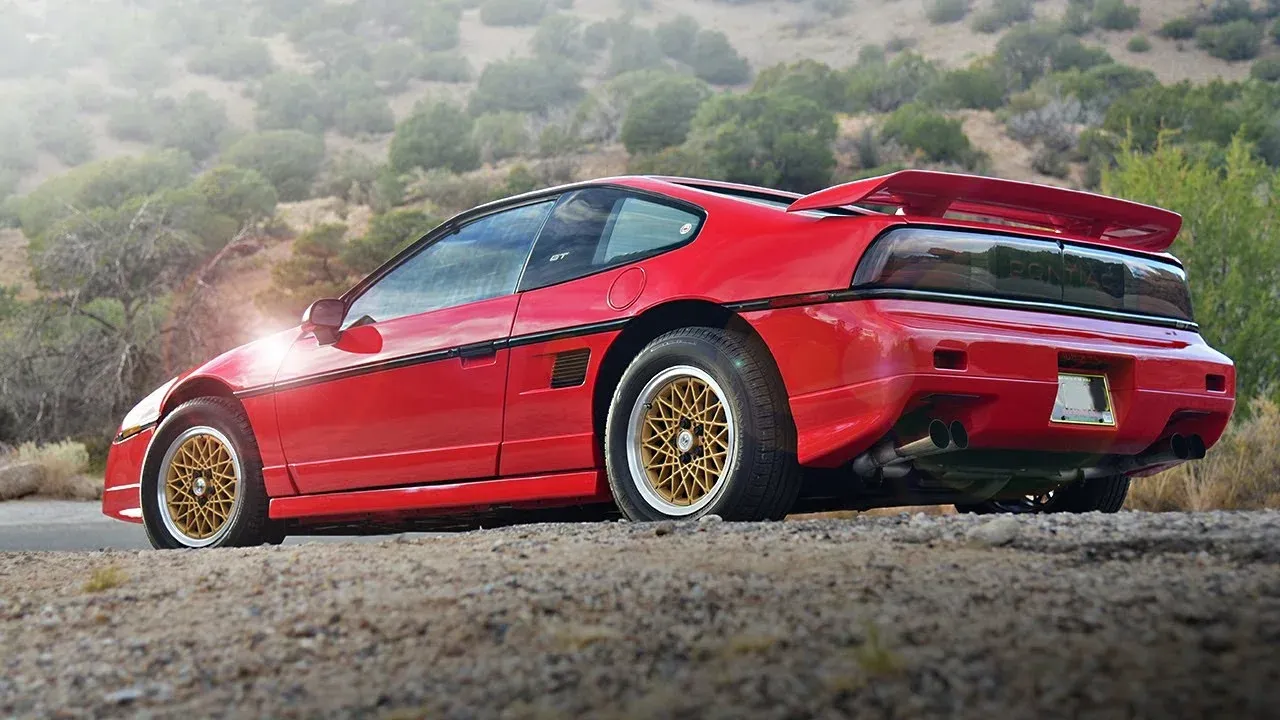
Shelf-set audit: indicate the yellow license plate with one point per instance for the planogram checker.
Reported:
(1083, 400)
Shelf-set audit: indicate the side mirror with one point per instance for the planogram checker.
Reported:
(323, 318)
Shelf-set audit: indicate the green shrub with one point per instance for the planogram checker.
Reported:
(290, 100)
(1099, 86)
(772, 139)
(1115, 15)
(1138, 44)
(132, 119)
(632, 48)
(1027, 52)
(1076, 20)
(437, 135)
(55, 123)
(940, 12)
(808, 79)
(1002, 14)
(395, 64)
(444, 67)
(660, 115)
(288, 159)
(441, 28)
(388, 234)
(1179, 28)
(526, 85)
(1225, 11)
(232, 59)
(979, 86)
(241, 194)
(560, 36)
(1237, 40)
(1275, 32)
(349, 175)
(512, 12)
(716, 61)
(879, 87)
(1266, 70)
(677, 37)
(140, 66)
(1069, 53)
(18, 152)
(196, 124)
(501, 135)
(364, 116)
(936, 137)
(898, 43)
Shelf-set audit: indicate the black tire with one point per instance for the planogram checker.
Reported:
(247, 523)
(1106, 494)
(762, 477)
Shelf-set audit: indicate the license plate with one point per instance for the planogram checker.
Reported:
(1083, 400)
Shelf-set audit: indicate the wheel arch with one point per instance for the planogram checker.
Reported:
(198, 387)
(643, 329)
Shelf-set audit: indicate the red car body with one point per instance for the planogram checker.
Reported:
(458, 411)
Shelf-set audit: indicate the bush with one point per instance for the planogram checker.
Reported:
(1115, 15)
(512, 12)
(808, 79)
(1138, 44)
(523, 85)
(140, 66)
(1076, 19)
(388, 234)
(1002, 14)
(232, 59)
(1237, 40)
(444, 67)
(941, 12)
(1179, 28)
(1069, 53)
(501, 135)
(441, 28)
(771, 139)
(1225, 11)
(716, 61)
(875, 86)
(196, 124)
(62, 466)
(1266, 70)
(394, 65)
(241, 194)
(677, 37)
(364, 116)
(1275, 32)
(349, 175)
(979, 86)
(289, 100)
(632, 48)
(660, 115)
(1241, 472)
(1099, 86)
(1028, 51)
(437, 135)
(288, 159)
(936, 137)
(560, 36)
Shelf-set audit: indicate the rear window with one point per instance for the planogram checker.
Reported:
(1024, 269)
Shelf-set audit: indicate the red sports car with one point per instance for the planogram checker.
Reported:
(673, 348)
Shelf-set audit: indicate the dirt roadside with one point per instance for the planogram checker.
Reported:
(1173, 615)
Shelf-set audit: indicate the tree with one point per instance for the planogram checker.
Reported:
(195, 124)
(232, 59)
(523, 85)
(677, 37)
(716, 61)
(388, 234)
(1229, 212)
(560, 36)
(290, 101)
(808, 79)
(660, 115)
(440, 28)
(288, 159)
(937, 137)
(767, 139)
(241, 194)
(437, 135)
(314, 270)
(880, 87)
(501, 135)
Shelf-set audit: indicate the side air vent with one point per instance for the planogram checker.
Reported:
(570, 369)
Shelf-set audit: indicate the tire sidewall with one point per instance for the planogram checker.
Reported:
(221, 418)
(657, 357)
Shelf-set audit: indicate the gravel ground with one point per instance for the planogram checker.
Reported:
(1129, 615)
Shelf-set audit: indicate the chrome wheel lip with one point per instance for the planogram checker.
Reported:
(162, 501)
(635, 425)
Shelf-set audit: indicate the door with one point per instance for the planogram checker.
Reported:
(412, 391)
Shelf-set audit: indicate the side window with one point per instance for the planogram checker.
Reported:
(481, 261)
(596, 228)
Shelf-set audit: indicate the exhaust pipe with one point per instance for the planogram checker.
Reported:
(1175, 448)
(884, 456)
(1195, 446)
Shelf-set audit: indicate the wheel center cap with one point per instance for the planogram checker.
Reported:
(198, 487)
(684, 441)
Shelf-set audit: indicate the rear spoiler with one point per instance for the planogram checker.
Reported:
(927, 193)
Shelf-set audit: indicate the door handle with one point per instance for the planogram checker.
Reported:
(478, 350)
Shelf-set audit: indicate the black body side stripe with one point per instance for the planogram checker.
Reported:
(479, 349)
(490, 346)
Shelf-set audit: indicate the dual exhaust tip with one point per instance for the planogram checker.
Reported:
(889, 460)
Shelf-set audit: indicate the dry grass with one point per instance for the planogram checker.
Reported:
(62, 470)
(104, 579)
(1241, 472)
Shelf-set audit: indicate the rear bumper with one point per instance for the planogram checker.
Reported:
(122, 497)
(852, 369)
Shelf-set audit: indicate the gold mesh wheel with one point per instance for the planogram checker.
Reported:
(682, 440)
(201, 477)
